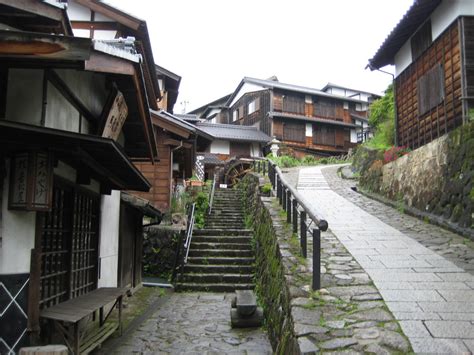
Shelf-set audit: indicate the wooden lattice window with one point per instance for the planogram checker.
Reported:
(324, 108)
(421, 40)
(430, 89)
(294, 132)
(69, 245)
(324, 135)
(293, 104)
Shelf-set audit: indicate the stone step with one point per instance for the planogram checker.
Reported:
(219, 232)
(221, 239)
(213, 287)
(224, 224)
(217, 278)
(221, 260)
(233, 269)
(218, 218)
(203, 245)
(210, 253)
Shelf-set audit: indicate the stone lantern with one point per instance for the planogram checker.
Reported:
(274, 146)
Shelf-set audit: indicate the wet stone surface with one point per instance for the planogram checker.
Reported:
(347, 314)
(194, 323)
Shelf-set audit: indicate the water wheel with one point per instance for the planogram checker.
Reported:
(236, 171)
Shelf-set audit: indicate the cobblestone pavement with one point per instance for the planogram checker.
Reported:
(412, 264)
(194, 323)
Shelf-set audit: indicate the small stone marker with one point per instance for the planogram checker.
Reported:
(45, 350)
(244, 312)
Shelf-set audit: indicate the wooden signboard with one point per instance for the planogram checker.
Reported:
(31, 182)
(115, 119)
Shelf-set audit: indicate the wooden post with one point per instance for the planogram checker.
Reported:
(295, 216)
(278, 188)
(316, 259)
(303, 235)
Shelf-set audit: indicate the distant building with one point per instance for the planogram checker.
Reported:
(308, 120)
(432, 48)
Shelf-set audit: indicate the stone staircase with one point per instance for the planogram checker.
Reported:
(221, 256)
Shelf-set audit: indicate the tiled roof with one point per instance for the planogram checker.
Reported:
(234, 132)
(211, 159)
(272, 84)
(406, 27)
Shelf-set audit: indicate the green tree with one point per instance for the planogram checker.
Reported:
(382, 119)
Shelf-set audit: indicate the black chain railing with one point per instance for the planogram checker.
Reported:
(297, 211)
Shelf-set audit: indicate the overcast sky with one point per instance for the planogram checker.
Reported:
(213, 44)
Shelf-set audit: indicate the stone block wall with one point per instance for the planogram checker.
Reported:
(271, 287)
(436, 179)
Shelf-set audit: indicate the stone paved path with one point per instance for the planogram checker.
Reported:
(431, 297)
(194, 323)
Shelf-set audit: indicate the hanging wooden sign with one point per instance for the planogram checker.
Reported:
(115, 119)
(31, 181)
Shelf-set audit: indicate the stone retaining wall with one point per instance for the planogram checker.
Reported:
(437, 179)
(346, 315)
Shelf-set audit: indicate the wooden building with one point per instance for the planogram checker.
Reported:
(432, 48)
(177, 145)
(74, 111)
(308, 120)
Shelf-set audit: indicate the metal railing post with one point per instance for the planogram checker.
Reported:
(278, 187)
(283, 196)
(316, 259)
(288, 207)
(295, 215)
(264, 167)
(303, 235)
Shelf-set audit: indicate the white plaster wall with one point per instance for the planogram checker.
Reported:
(353, 136)
(18, 236)
(17, 96)
(441, 19)
(255, 150)
(246, 88)
(78, 12)
(447, 12)
(220, 147)
(109, 239)
(88, 87)
(60, 114)
(309, 130)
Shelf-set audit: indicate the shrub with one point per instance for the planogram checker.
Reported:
(394, 153)
(202, 204)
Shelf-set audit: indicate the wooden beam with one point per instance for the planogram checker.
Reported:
(36, 7)
(111, 12)
(163, 124)
(176, 142)
(145, 116)
(103, 63)
(94, 25)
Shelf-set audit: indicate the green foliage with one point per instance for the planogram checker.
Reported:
(267, 188)
(383, 109)
(384, 137)
(286, 161)
(202, 204)
(382, 119)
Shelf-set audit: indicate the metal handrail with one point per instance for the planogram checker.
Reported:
(294, 206)
(211, 195)
(189, 233)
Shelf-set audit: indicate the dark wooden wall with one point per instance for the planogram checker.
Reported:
(258, 116)
(158, 174)
(414, 130)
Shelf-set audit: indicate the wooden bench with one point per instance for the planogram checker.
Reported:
(65, 317)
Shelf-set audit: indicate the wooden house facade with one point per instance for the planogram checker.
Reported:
(432, 48)
(310, 121)
(74, 112)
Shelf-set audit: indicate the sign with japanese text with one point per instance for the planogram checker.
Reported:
(115, 119)
(31, 182)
